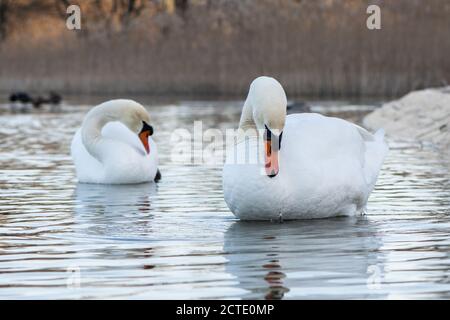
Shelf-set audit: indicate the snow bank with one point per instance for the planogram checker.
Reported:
(420, 115)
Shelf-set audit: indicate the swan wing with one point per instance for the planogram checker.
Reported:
(376, 150)
(345, 140)
(119, 132)
(127, 160)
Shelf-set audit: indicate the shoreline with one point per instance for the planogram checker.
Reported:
(422, 115)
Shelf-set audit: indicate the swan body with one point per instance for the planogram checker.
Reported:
(108, 149)
(327, 166)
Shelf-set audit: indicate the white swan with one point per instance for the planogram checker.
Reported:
(326, 166)
(114, 146)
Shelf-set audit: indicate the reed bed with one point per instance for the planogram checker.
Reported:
(215, 48)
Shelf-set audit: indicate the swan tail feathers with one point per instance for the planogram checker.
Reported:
(376, 152)
(366, 135)
(158, 176)
(379, 135)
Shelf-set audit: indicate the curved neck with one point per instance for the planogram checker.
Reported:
(247, 121)
(91, 131)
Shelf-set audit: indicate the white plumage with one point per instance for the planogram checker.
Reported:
(117, 155)
(327, 167)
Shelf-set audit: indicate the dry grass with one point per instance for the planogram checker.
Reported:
(315, 48)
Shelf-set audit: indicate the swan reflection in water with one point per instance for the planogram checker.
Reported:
(115, 210)
(314, 259)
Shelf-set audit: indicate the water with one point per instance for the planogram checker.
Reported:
(177, 239)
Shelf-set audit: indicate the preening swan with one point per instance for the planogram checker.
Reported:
(312, 166)
(114, 145)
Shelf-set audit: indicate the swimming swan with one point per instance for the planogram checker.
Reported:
(114, 146)
(313, 166)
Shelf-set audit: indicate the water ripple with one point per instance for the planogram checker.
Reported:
(177, 239)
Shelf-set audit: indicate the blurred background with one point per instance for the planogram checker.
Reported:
(211, 48)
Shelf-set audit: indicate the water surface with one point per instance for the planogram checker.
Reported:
(177, 239)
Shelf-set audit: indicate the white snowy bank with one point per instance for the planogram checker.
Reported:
(420, 115)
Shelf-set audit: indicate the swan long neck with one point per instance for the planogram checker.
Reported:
(247, 121)
(91, 132)
(247, 125)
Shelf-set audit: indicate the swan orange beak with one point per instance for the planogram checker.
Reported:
(271, 159)
(143, 136)
(271, 146)
(146, 132)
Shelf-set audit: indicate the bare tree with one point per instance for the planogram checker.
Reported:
(129, 9)
(181, 6)
(12, 12)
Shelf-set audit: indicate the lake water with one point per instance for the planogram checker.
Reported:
(177, 239)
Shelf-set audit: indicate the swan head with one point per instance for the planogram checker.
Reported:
(137, 119)
(269, 104)
(130, 113)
